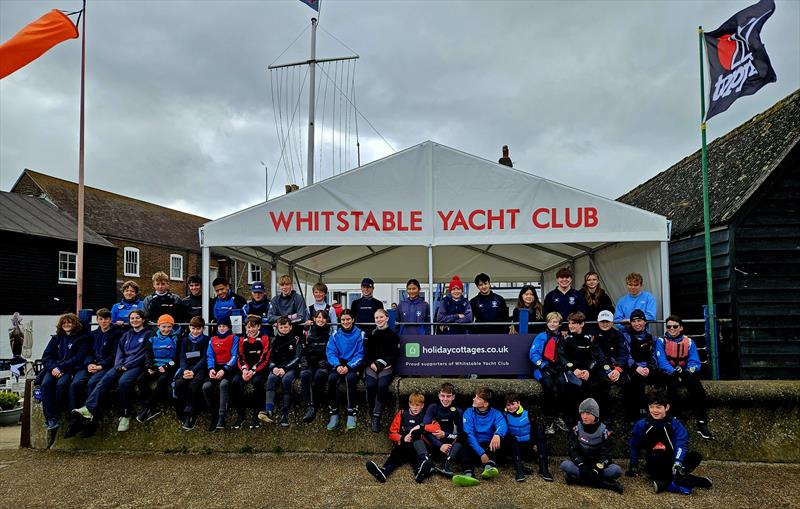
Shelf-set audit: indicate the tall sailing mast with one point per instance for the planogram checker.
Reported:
(311, 62)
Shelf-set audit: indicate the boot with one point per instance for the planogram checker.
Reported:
(376, 424)
(698, 481)
(424, 470)
(220, 422)
(333, 421)
(285, 417)
(240, 418)
(614, 485)
(544, 472)
(310, 415)
(445, 469)
(703, 431)
(351, 419)
(519, 475)
(377, 472)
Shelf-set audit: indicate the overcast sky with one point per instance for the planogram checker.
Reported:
(598, 95)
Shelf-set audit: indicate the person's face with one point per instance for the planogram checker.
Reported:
(634, 288)
(588, 418)
(68, 326)
(366, 291)
(412, 290)
(222, 329)
(346, 321)
(605, 325)
(284, 328)
(165, 329)
(160, 286)
(638, 324)
(484, 287)
(564, 282)
(136, 320)
(129, 293)
(553, 324)
(592, 281)
(527, 298)
(512, 406)
(479, 403)
(319, 295)
(195, 331)
(415, 407)
(252, 329)
(446, 398)
(195, 289)
(658, 411)
(380, 319)
(257, 296)
(221, 290)
(456, 292)
(575, 327)
(286, 289)
(674, 329)
(320, 320)
(104, 323)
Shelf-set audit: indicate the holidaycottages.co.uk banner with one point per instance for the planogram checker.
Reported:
(463, 354)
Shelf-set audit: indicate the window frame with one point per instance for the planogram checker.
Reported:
(250, 278)
(68, 280)
(125, 252)
(175, 256)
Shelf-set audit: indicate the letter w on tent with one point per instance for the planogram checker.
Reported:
(34, 40)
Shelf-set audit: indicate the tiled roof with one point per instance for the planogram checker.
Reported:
(114, 215)
(35, 216)
(738, 163)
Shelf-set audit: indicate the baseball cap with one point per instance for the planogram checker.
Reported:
(605, 316)
(258, 286)
(367, 282)
(638, 314)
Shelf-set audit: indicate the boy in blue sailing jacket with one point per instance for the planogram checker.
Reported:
(160, 363)
(102, 348)
(668, 461)
(679, 363)
(485, 428)
(525, 438)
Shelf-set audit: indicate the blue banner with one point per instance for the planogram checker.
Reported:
(465, 354)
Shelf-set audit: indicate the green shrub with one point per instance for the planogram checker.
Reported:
(8, 400)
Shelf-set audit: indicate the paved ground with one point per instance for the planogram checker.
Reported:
(71, 479)
(9, 437)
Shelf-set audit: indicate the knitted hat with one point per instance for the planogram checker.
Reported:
(225, 321)
(166, 319)
(455, 282)
(590, 406)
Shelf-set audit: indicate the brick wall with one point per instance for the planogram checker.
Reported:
(151, 260)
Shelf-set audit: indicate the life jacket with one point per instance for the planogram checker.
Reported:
(408, 421)
(550, 350)
(591, 444)
(641, 346)
(164, 348)
(657, 441)
(448, 418)
(223, 307)
(519, 425)
(222, 348)
(677, 351)
(312, 309)
(253, 354)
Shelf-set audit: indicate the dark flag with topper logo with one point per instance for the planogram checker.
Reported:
(738, 62)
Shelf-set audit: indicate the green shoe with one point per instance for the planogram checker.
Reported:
(465, 480)
(83, 412)
(124, 424)
(489, 472)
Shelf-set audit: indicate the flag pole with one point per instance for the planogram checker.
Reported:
(712, 315)
(79, 261)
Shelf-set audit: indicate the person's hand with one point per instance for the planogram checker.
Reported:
(614, 375)
(56, 372)
(597, 471)
(484, 458)
(460, 316)
(220, 374)
(643, 371)
(407, 438)
(309, 322)
(373, 367)
(495, 443)
(119, 323)
(247, 375)
(678, 470)
(445, 448)
(162, 369)
(633, 471)
(151, 370)
(212, 374)
(188, 375)
(438, 434)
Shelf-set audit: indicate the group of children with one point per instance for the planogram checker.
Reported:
(436, 439)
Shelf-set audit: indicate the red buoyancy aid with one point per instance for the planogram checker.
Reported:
(222, 348)
(551, 349)
(677, 351)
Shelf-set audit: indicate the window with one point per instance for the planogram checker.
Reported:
(131, 262)
(67, 267)
(254, 273)
(176, 267)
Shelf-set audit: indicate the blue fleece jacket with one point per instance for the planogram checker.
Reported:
(482, 426)
(103, 348)
(131, 348)
(413, 310)
(65, 352)
(677, 436)
(346, 347)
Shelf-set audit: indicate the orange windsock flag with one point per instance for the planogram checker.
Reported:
(34, 40)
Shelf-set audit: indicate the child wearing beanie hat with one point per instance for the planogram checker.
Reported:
(590, 449)
(454, 308)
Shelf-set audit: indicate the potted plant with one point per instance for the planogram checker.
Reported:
(10, 411)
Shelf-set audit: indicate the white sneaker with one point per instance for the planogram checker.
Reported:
(124, 424)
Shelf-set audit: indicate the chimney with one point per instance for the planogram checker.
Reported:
(505, 159)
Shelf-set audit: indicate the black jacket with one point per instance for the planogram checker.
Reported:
(286, 351)
(381, 346)
(314, 355)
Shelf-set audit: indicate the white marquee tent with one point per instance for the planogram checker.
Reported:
(433, 210)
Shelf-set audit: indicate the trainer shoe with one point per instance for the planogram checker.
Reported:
(375, 424)
(310, 415)
(377, 472)
(189, 422)
(489, 471)
(703, 431)
(147, 415)
(266, 416)
(465, 479)
(424, 470)
(83, 412)
(240, 418)
(614, 486)
(284, 419)
(124, 424)
(701, 482)
(445, 469)
(220, 422)
(333, 422)
(254, 422)
(351, 422)
(560, 424)
(52, 424)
